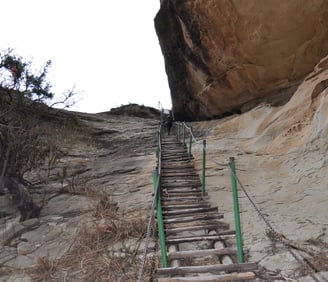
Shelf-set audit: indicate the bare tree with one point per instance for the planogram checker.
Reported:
(24, 96)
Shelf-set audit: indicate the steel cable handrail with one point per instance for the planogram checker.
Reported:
(152, 211)
(277, 236)
(148, 233)
(206, 150)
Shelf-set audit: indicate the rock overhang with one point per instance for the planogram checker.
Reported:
(225, 57)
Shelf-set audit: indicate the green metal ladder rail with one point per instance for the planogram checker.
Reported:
(234, 181)
(159, 212)
(239, 242)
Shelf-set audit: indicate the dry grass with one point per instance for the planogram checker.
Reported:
(90, 257)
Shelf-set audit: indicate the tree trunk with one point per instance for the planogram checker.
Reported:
(3, 172)
(23, 199)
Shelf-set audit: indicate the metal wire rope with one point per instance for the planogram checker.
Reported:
(151, 218)
(276, 235)
(200, 143)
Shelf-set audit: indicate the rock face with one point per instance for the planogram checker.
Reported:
(224, 57)
(98, 191)
(281, 160)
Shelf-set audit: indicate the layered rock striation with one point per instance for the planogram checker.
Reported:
(226, 56)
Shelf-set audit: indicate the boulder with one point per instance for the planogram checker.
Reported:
(225, 57)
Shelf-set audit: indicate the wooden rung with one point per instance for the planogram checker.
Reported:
(181, 177)
(175, 183)
(176, 158)
(189, 183)
(193, 223)
(212, 278)
(182, 189)
(177, 192)
(190, 211)
(190, 206)
(170, 172)
(207, 268)
(164, 197)
(200, 253)
(193, 218)
(176, 202)
(179, 159)
(221, 235)
(182, 194)
(171, 165)
(172, 200)
(206, 227)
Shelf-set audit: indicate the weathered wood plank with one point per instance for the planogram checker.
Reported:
(221, 226)
(183, 194)
(178, 197)
(188, 181)
(190, 211)
(194, 223)
(169, 167)
(184, 191)
(174, 160)
(188, 201)
(189, 186)
(201, 253)
(187, 170)
(180, 179)
(193, 218)
(207, 268)
(212, 278)
(187, 206)
(177, 173)
(221, 235)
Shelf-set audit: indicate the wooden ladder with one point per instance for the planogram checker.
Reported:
(195, 235)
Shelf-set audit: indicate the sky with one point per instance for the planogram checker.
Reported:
(108, 50)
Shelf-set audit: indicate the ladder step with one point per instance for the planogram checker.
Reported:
(190, 211)
(207, 268)
(184, 201)
(182, 206)
(174, 158)
(193, 218)
(183, 191)
(200, 253)
(170, 194)
(180, 179)
(212, 278)
(178, 171)
(177, 167)
(195, 197)
(222, 235)
(181, 182)
(189, 185)
(221, 226)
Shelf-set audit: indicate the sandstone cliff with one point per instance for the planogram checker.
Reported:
(226, 56)
(98, 193)
(281, 156)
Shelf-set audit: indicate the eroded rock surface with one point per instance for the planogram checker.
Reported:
(281, 159)
(102, 180)
(225, 57)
